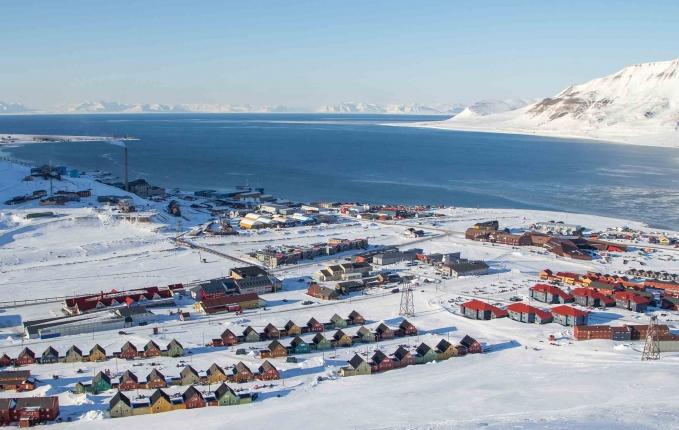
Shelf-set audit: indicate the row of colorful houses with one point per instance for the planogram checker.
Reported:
(122, 406)
(215, 374)
(97, 353)
(270, 332)
(403, 356)
(339, 339)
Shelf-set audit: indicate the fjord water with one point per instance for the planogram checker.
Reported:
(310, 157)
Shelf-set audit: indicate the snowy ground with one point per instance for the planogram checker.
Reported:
(524, 382)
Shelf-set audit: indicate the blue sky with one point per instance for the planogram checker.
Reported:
(309, 53)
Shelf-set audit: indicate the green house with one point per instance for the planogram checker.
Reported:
(321, 343)
(101, 382)
(364, 335)
(425, 354)
(120, 406)
(298, 346)
(227, 397)
(189, 376)
(338, 322)
(357, 366)
(251, 335)
(174, 349)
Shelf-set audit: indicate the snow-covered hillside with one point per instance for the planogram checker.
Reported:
(411, 109)
(638, 105)
(115, 107)
(492, 106)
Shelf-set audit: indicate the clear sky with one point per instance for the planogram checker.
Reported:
(309, 53)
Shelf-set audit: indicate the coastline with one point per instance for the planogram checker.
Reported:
(632, 140)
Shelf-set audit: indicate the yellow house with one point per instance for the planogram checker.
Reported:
(160, 402)
(97, 353)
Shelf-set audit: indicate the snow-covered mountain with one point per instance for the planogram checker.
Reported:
(394, 109)
(639, 105)
(115, 107)
(492, 106)
(9, 108)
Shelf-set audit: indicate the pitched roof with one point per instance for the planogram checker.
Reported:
(128, 375)
(423, 349)
(551, 289)
(401, 352)
(188, 369)
(215, 369)
(527, 309)
(151, 344)
(379, 357)
(192, 392)
(443, 345)
(569, 311)
(222, 390)
(266, 366)
(74, 349)
(383, 328)
(478, 305)
(119, 397)
(158, 394)
(356, 361)
(632, 297)
(468, 341)
(241, 367)
(319, 338)
(174, 343)
(154, 374)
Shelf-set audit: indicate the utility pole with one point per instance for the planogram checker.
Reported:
(127, 186)
(652, 346)
(407, 304)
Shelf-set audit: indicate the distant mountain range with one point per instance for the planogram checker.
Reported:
(12, 108)
(345, 107)
(638, 104)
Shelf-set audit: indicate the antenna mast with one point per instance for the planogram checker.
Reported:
(652, 346)
(407, 303)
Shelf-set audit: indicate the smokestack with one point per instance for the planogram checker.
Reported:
(127, 187)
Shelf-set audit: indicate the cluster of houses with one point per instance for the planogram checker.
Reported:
(340, 339)
(235, 293)
(653, 275)
(150, 296)
(97, 353)
(280, 255)
(271, 332)
(215, 374)
(667, 341)
(28, 411)
(17, 380)
(384, 212)
(561, 239)
(618, 290)
(403, 356)
(160, 401)
(59, 198)
(276, 215)
(522, 312)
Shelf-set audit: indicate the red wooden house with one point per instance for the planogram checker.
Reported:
(128, 381)
(5, 360)
(242, 373)
(25, 357)
(271, 332)
(355, 318)
(151, 349)
(314, 326)
(155, 380)
(267, 372)
(380, 362)
(128, 351)
(193, 398)
(471, 345)
(403, 357)
(406, 328)
(384, 332)
(229, 338)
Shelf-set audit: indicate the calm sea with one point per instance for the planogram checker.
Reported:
(356, 158)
